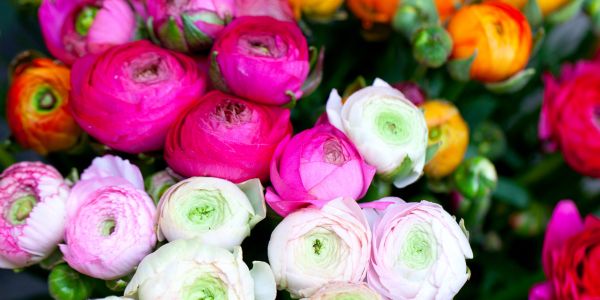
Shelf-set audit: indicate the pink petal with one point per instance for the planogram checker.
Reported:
(542, 291)
(565, 222)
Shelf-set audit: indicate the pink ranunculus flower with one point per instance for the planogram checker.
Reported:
(315, 246)
(188, 26)
(227, 137)
(129, 96)
(278, 9)
(315, 166)
(111, 221)
(32, 213)
(570, 116)
(418, 251)
(261, 59)
(73, 28)
(570, 256)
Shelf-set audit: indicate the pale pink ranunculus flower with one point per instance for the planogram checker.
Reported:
(315, 246)
(32, 213)
(315, 166)
(345, 290)
(74, 28)
(419, 251)
(111, 221)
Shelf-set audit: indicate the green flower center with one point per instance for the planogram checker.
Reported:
(205, 287)
(85, 19)
(20, 209)
(45, 100)
(204, 209)
(320, 250)
(107, 227)
(392, 127)
(418, 251)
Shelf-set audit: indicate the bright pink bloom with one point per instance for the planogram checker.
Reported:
(261, 59)
(32, 213)
(570, 119)
(73, 28)
(111, 221)
(189, 26)
(130, 95)
(227, 137)
(314, 167)
(571, 256)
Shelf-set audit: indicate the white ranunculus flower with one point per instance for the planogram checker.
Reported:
(189, 269)
(345, 291)
(315, 246)
(214, 210)
(388, 130)
(419, 251)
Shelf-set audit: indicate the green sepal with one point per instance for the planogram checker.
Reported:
(55, 258)
(533, 13)
(432, 151)
(293, 100)
(403, 170)
(512, 84)
(195, 38)
(460, 69)
(315, 77)
(171, 36)
(151, 33)
(215, 73)
(566, 12)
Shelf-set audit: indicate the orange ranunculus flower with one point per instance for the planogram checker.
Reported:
(37, 107)
(498, 32)
(447, 8)
(546, 6)
(446, 126)
(320, 9)
(374, 11)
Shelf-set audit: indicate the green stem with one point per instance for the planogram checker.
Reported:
(6, 159)
(546, 167)
(419, 73)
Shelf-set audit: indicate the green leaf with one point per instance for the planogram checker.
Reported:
(565, 13)
(512, 84)
(195, 38)
(511, 193)
(533, 13)
(460, 69)
(431, 151)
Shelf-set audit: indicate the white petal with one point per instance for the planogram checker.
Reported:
(334, 110)
(110, 165)
(264, 281)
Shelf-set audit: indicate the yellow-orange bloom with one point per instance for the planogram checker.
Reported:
(447, 8)
(498, 32)
(546, 6)
(37, 110)
(321, 9)
(446, 126)
(374, 11)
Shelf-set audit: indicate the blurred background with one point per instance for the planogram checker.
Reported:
(508, 239)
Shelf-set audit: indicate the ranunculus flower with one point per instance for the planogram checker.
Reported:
(316, 9)
(188, 26)
(189, 269)
(215, 211)
(570, 114)
(546, 6)
(314, 167)
(449, 129)
(32, 213)
(73, 28)
(447, 8)
(497, 33)
(418, 251)
(110, 220)
(278, 9)
(386, 128)
(37, 110)
(345, 290)
(227, 137)
(315, 246)
(261, 59)
(373, 11)
(129, 96)
(571, 256)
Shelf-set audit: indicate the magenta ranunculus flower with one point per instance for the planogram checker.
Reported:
(188, 26)
(129, 96)
(32, 213)
(227, 137)
(261, 59)
(315, 166)
(111, 221)
(73, 28)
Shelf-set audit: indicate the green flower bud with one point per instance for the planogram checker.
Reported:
(476, 178)
(432, 45)
(65, 283)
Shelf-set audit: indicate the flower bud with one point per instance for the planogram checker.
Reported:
(65, 283)
(157, 183)
(386, 128)
(37, 107)
(413, 15)
(431, 46)
(74, 28)
(215, 211)
(32, 206)
(189, 269)
(475, 27)
(449, 132)
(476, 178)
